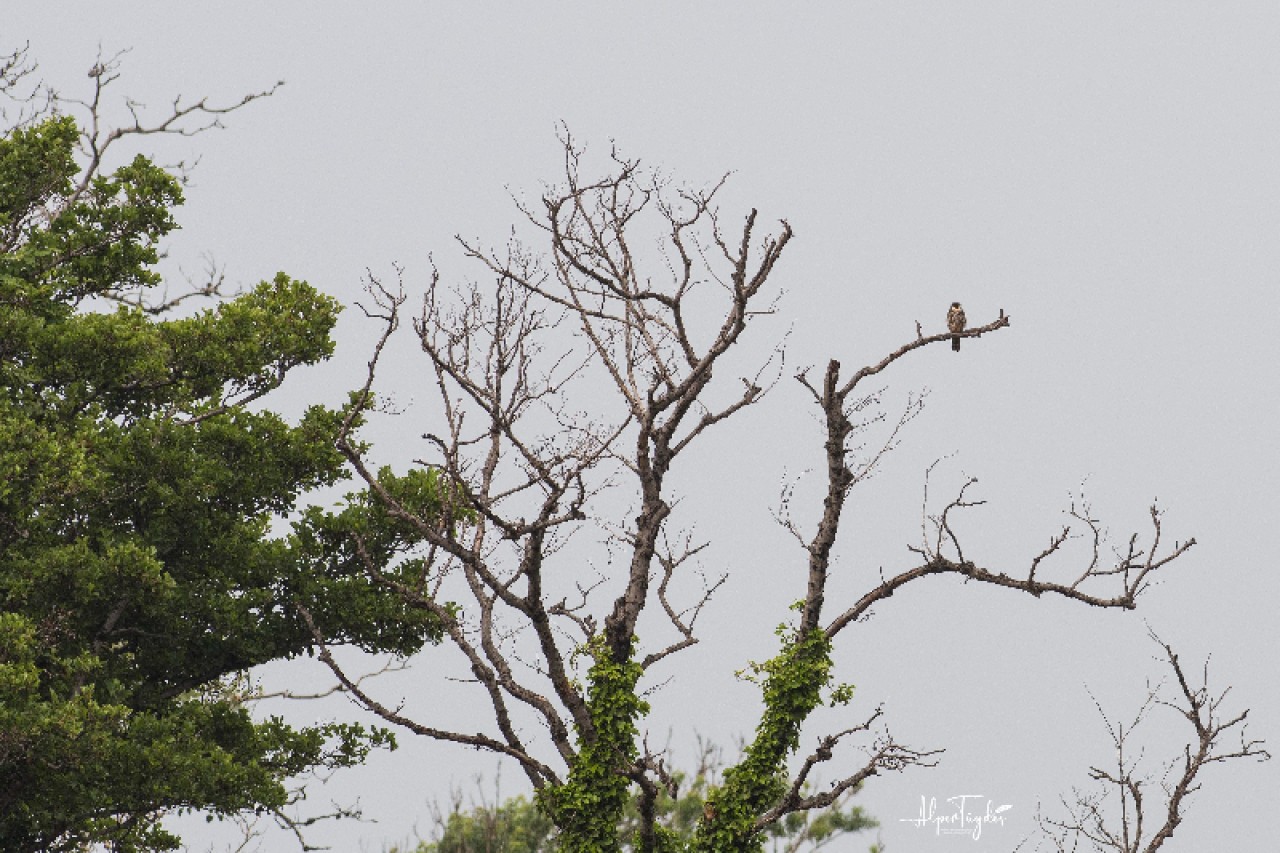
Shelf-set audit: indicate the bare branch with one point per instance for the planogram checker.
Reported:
(18, 88)
(536, 769)
(669, 563)
(1116, 817)
(1132, 569)
(180, 119)
(1000, 322)
(392, 665)
(884, 754)
(211, 285)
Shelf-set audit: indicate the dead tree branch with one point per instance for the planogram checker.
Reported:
(1121, 816)
(97, 136)
(19, 88)
(1132, 567)
(883, 754)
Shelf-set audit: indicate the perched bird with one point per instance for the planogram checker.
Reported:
(955, 322)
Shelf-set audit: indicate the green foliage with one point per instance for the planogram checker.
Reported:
(514, 826)
(102, 239)
(588, 807)
(517, 825)
(595, 809)
(792, 686)
(137, 496)
(842, 694)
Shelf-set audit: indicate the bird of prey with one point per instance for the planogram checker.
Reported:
(955, 322)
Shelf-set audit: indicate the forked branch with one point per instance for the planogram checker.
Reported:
(884, 754)
(941, 552)
(1134, 810)
(97, 135)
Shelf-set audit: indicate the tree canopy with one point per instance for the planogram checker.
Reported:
(140, 492)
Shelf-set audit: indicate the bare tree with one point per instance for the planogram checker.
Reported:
(1120, 815)
(575, 376)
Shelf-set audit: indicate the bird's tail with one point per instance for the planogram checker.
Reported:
(955, 344)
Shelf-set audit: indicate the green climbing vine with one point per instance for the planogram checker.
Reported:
(792, 683)
(588, 807)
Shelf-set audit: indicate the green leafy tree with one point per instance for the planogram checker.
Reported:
(138, 492)
(513, 826)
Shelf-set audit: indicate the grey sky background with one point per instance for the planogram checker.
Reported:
(1106, 173)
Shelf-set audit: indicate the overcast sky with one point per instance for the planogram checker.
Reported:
(1107, 173)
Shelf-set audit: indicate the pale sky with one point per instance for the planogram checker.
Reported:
(1107, 173)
